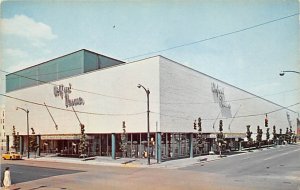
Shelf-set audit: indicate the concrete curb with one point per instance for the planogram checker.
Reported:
(174, 164)
(138, 163)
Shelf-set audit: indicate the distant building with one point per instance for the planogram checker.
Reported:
(103, 92)
(2, 131)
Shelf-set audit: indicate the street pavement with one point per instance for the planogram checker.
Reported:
(24, 173)
(274, 168)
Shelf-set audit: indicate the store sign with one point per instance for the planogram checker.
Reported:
(60, 137)
(235, 135)
(64, 92)
(219, 96)
(64, 137)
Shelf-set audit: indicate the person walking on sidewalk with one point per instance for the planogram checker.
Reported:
(6, 178)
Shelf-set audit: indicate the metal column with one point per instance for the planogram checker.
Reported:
(172, 145)
(21, 145)
(113, 146)
(38, 142)
(140, 149)
(179, 145)
(158, 147)
(131, 145)
(167, 145)
(94, 145)
(191, 145)
(100, 145)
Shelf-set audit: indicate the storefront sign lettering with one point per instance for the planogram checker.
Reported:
(64, 92)
(219, 96)
(64, 137)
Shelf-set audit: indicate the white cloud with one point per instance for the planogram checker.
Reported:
(17, 59)
(10, 52)
(22, 64)
(22, 26)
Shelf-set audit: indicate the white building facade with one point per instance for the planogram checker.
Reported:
(2, 126)
(103, 92)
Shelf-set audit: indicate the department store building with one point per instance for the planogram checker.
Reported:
(101, 92)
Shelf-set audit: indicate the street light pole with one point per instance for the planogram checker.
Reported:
(27, 113)
(283, 72)
(148, 123)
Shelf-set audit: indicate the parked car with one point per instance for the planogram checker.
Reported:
(11, 156)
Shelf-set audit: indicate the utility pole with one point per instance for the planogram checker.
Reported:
(148, 123)
(27, 113)
(268, 135)
(274, 135)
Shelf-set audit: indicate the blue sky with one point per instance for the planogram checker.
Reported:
(33, 32)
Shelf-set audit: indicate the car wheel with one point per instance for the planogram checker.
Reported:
(4, 158)
(10, 158)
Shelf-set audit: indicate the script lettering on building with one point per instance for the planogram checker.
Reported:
(219, 96)
(64, 93)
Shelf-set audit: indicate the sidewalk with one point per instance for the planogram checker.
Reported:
(143, 162)
(134, 162)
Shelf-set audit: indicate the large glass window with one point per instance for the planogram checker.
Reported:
(70, 65)
(28, 77)
(91, 62)
(107, 62)
(63, 67)
(47, 72)
(12, 82)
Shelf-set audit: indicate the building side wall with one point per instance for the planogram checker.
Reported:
(187, 94)
(115, 98)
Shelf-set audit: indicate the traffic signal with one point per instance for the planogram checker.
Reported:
(14, 131)
(124, 127)
(221, 125)
(195, 125)
(199, 124)
(266, 121)
(32, 131)
(82, 128)
(248, 133)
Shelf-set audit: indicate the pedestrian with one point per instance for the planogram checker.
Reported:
(6, 178)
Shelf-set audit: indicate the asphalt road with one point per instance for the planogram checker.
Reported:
(272, 169)
(23, 173)
(30, 174)
(275, 168)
